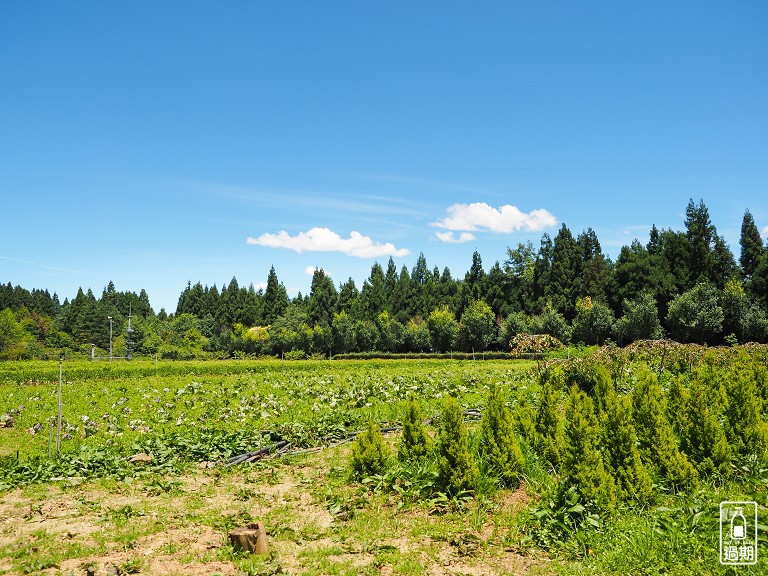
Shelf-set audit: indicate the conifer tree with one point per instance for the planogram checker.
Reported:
(565, 280)
(583, 464)
(678, 411)
(706, 441)
(549, 440)
(322, 298)
(623, 456)
(415, 444)
(751, 246)
(498, 440)
(369, 452)
(373, 295)
(457, 471)
(746, 430)
(275, 298)
(656, 439)
(348, 297)
(699, 233)
(542, 268)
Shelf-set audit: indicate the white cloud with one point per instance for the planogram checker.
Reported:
(310, 270)
(451, 239)
(326, 240)
(506, 219)
(765, 231)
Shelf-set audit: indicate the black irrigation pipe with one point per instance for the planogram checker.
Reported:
(253, 456)
(282, 448)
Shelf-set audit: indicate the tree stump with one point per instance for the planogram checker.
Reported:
(252, 538)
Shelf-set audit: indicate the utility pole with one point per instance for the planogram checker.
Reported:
(110, 338)
(128, 341)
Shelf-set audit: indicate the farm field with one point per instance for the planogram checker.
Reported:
(92, 510)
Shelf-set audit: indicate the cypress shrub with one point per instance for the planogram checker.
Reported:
(457, 471)
(656, 438)
(369, 452)
(498, 441)
(747, 432)
(415, 443)
(624, 461)
(583, 464)
(549, 441)
(706, 443)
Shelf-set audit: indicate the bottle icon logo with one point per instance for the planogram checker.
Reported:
(738, 525)
(738, 533)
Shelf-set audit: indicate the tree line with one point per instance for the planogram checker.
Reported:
(686, 285)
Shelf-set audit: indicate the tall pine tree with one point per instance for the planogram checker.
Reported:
(751, 246)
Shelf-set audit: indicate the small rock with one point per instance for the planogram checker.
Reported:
(142, 458)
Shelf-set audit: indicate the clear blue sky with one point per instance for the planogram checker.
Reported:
(152, 143)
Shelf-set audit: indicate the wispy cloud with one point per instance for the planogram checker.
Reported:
(765, 232)
(276, 197)
(449, 238)
(479, 216)
(417, 182)
(326, 240)
(48, 267)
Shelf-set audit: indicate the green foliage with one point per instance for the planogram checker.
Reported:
(343, 330)
(640, 320)
(322, 298)
(457, 471)
(591, 377)
(751, 245)
(550, 439)
(699, 233)
(593, 323)
(583, 464)
(657, 440)
(369, 453)
(696, 315)
(415, 443)
(498, 441)
(477, 327)
(704, 441)
(619, 437)
(565, 280)
(13, 338)
(514, 324)
(442, 328)
(746, 427)
(551, 322)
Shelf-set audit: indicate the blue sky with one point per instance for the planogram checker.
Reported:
(155, 143)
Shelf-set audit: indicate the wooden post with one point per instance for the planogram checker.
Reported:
(252, 538)
(58, 420)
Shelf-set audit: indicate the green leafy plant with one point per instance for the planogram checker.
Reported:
(457, 470)
(583, 464)
(498, 441)
(415, 443)
(369, 452)
(549, 440)
(623, 456)
(656, 438)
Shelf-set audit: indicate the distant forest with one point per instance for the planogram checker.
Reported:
(686, 285)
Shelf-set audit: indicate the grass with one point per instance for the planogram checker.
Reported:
(94, 510)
